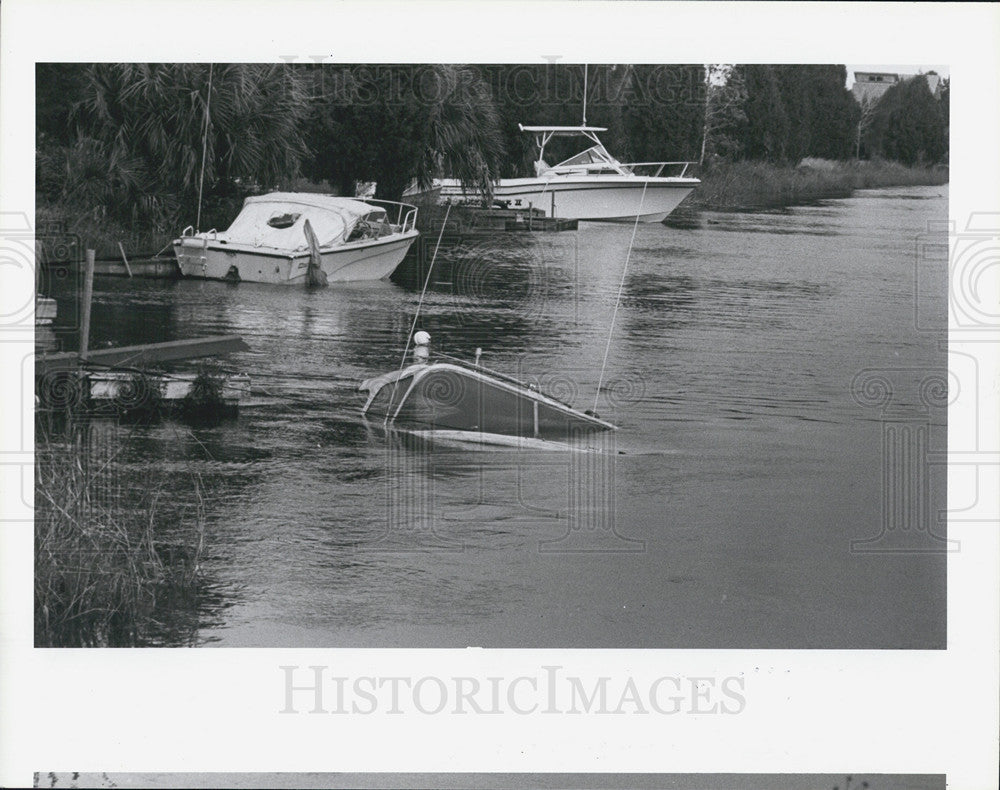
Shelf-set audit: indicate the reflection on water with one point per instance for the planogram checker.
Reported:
(742, 470)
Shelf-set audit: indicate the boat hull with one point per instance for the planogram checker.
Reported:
(444, 397)
(210, 260)
(594, 199)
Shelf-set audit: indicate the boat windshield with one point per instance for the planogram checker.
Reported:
(594, 160)
(372, 226)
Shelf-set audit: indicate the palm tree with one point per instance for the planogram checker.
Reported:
(397, 124)
(464, 138)
(155, 114)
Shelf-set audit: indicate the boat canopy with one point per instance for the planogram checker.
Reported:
(595, 156)
(276, 220)
(563, 131)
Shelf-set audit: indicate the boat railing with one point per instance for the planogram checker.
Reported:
(619, 168)
(189, 232)
(405, 213)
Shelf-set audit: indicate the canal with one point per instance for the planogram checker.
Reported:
(778, 379)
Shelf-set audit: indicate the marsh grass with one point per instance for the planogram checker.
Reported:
(731, 186)
(110, 556)
(204, 402)
(92, 230)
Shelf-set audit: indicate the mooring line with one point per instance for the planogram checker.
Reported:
(204, 146)
(416, 315)
(621, 287)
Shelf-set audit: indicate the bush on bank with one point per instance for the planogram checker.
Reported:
(744, 185)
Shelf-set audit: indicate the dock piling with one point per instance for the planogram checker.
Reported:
(88, 295)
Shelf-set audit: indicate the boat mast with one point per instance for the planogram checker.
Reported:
(584, 95)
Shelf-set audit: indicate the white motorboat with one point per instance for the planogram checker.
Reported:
(592, 185)
(267, 242)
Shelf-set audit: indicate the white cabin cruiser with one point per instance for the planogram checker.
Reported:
(267, 242)
(592, 185)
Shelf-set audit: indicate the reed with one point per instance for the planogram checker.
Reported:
(731, 186)
(65, 232)
(109, 557)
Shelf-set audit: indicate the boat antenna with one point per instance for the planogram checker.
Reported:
(416, 315)
(584, 94)
(204, 147)
(621, 287)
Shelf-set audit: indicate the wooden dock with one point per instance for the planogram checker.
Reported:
(466, 223)
(150, 268)
(472, 219)
(138, 356)
(116, 379)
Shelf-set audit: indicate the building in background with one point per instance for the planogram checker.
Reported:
(872, 84)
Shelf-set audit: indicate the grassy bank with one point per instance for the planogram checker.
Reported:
(112, 563)
(743, 185)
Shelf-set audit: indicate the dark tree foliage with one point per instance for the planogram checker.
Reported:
(822, 113)
(834, 113)
(58, 88)
(157, 113)
(908, 125)
(764, 132)
(795, 90)
(795, 111)
(397, 124)
(666, 123)
(944, 104)
(134, 149)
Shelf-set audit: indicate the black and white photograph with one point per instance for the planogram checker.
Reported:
(502, 356)
(470, 386)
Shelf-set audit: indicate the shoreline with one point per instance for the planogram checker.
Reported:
(727, 186)
(748, 186)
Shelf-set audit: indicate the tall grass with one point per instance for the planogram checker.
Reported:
(110, 559)
(743, 185)
(68, 231)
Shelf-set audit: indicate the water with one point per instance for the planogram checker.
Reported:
(722, 517)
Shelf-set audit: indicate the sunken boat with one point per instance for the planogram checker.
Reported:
(445, 397)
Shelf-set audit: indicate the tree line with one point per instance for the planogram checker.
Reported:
(141, 142)
(789, 112)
